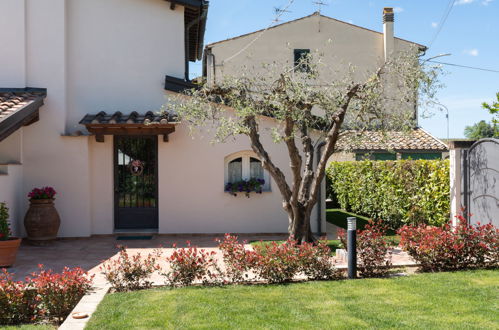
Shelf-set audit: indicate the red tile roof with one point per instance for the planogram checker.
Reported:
(18, 107)
(416, 139)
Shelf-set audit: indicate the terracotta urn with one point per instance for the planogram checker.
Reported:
(42, 221)
(8, 251)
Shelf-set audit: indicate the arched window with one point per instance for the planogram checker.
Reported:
(245, 165)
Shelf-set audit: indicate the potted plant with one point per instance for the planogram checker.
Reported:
(42, 220)
(8, 244)
(245, 186)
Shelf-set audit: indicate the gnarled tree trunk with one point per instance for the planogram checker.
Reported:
(299, 224)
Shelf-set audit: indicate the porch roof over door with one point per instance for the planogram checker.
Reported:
(148, 123)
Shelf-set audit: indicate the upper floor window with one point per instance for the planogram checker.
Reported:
(245, 165)
(302, 60)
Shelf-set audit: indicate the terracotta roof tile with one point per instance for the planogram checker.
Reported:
(19, 107)
(11, 102)
(416, 139)
(149, 117)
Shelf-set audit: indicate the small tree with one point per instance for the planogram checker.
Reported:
(237, 105)
(493, 108)
(480, 130)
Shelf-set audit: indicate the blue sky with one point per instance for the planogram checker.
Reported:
(470, 34)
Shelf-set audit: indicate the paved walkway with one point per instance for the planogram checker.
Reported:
(88, 253)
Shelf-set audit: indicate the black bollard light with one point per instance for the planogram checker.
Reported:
(352, 247)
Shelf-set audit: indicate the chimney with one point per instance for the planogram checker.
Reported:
(388, 38)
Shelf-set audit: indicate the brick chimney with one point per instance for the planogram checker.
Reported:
(388, 37)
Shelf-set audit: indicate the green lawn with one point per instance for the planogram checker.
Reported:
(426, 301)
(339, 217)
(332, 244)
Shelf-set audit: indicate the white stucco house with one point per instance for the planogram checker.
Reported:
(339, 45)
(82, 82)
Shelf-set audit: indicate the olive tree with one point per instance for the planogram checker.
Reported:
(309, 113)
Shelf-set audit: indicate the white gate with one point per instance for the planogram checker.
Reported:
(482, 182)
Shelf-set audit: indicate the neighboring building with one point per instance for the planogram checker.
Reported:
(341, 44)
(392, 145)
(91, 128)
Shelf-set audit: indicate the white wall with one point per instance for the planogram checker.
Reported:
(13, 50)
(11, 148)
(191, 188)
(102, 185)
(11, 193)
(119, 52)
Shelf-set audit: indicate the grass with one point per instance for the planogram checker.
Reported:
(332, 244)
(339, 217)
(426, 301)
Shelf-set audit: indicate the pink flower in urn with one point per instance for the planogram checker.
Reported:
(42, 193)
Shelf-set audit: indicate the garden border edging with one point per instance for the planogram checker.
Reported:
(87, 305)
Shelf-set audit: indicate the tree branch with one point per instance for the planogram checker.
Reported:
(267, 163)
(331, 139)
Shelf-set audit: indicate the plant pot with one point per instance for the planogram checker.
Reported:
(8, 251)
(42, 221)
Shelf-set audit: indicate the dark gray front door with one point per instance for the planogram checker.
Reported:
(136, 182)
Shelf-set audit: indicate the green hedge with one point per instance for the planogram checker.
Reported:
(399, 192)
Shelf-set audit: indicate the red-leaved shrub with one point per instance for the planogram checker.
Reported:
(60, 292)
(238, 261)
(127, 273)
(46, 295)
(277, 263)
(191, 264)
(373, 249)
(447, 248)
(19, 302)
(316, 261)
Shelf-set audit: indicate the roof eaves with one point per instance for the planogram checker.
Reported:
(25, 115)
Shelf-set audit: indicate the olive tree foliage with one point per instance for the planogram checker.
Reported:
(308, 113)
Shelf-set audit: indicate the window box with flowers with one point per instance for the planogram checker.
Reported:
(244, 174)
(8, 244)
(42, 220)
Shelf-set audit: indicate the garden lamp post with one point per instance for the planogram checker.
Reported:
(352, 247)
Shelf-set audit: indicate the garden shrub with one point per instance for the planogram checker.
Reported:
(316, 261)
(399, 192)
(19, 302)
(446, 248)
(60, 292)
(373, 249)
(191, 264)
(45, 295)
(127, 273)
(238, 261)
(277, 263)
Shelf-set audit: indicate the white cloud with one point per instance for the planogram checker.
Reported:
(463, 2)
(434, 24)
(398, 10)
(467, 2)
(471, 52)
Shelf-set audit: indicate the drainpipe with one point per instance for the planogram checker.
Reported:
(204, 13)
(319, 196)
